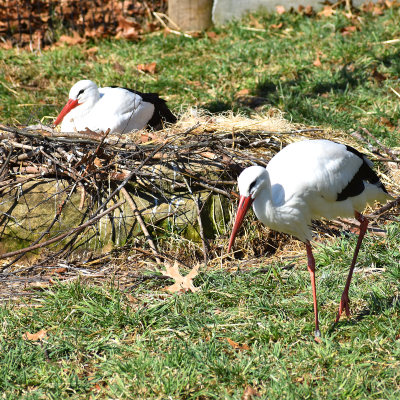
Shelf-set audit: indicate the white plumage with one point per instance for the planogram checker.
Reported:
(119, 109)
(310, 180)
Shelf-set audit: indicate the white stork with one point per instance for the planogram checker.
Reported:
(309, 180)
(119, 109)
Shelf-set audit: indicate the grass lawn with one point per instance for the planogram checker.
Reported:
(102, 343)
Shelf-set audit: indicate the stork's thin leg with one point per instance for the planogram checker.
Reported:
(311, 270)
(345, 301)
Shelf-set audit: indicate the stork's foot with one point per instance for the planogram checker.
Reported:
(344, 305)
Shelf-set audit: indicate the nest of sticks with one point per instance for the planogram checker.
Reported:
(206, 152)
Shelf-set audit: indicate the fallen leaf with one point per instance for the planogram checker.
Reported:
(328, 11)
(254, 22)
(131, 299)
(348, 30)
(317, 62)
(182, 283)
(35, 336)
(243, 92)
(238, 346)
(325, 95)
(377, 11)
(299, 379)
(389, 4)
(378, 76)
(150, 67)
(212, 35)
(385, 121)
(349, 15)
(278, 26)
(318, 339)
(216, 312)
(249, 392)
(76, 39)
(92, 50)
(308, 11)
(368, 7)
(280, 9)
(7, 45)
(60, 270)
(98, 163)
(118, 67)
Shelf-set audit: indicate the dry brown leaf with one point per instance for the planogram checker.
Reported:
(92, 50)
(150, 67)
(328, 11)
(378, 76)
(317, 62)
(212, 35)
(131, 299)
(254, 22)
(118, 67)
(278, 26)
(308, 11)
(243, 92)
(249, 392)
(76, 39)
(182, 283)
(7, 45)
(368, 7)
(349, 15)
(60, 270)
(348, 30)
(98, 163)
(238, 346)
(299, 379)
(377, 11)
(280, 9)
(35, 336)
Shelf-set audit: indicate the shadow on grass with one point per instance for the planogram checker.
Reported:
(376, 306)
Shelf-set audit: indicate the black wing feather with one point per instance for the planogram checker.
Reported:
(356, 185)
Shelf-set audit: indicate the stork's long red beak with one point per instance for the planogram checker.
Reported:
(244, 205)
(67, 108)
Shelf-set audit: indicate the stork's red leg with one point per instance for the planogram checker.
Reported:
(311, 270)
(345, 301)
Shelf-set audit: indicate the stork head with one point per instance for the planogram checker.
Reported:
(250, 181)
(81, 92)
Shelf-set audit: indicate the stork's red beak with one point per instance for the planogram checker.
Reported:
(67, 108)
(244, 205)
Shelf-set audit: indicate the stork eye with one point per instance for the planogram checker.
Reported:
(252, 186)
(80, 92)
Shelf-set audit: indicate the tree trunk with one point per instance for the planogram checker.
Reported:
(190, 15)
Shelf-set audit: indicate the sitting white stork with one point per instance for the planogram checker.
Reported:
(307, 180)
(119, 109)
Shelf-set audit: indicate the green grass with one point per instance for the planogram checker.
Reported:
(168, 346)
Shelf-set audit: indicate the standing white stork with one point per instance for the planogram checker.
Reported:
(309, 180)
(119, 109)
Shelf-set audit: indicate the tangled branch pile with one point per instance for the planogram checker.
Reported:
(177, 186)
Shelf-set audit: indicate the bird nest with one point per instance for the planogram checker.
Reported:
(198, 158)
